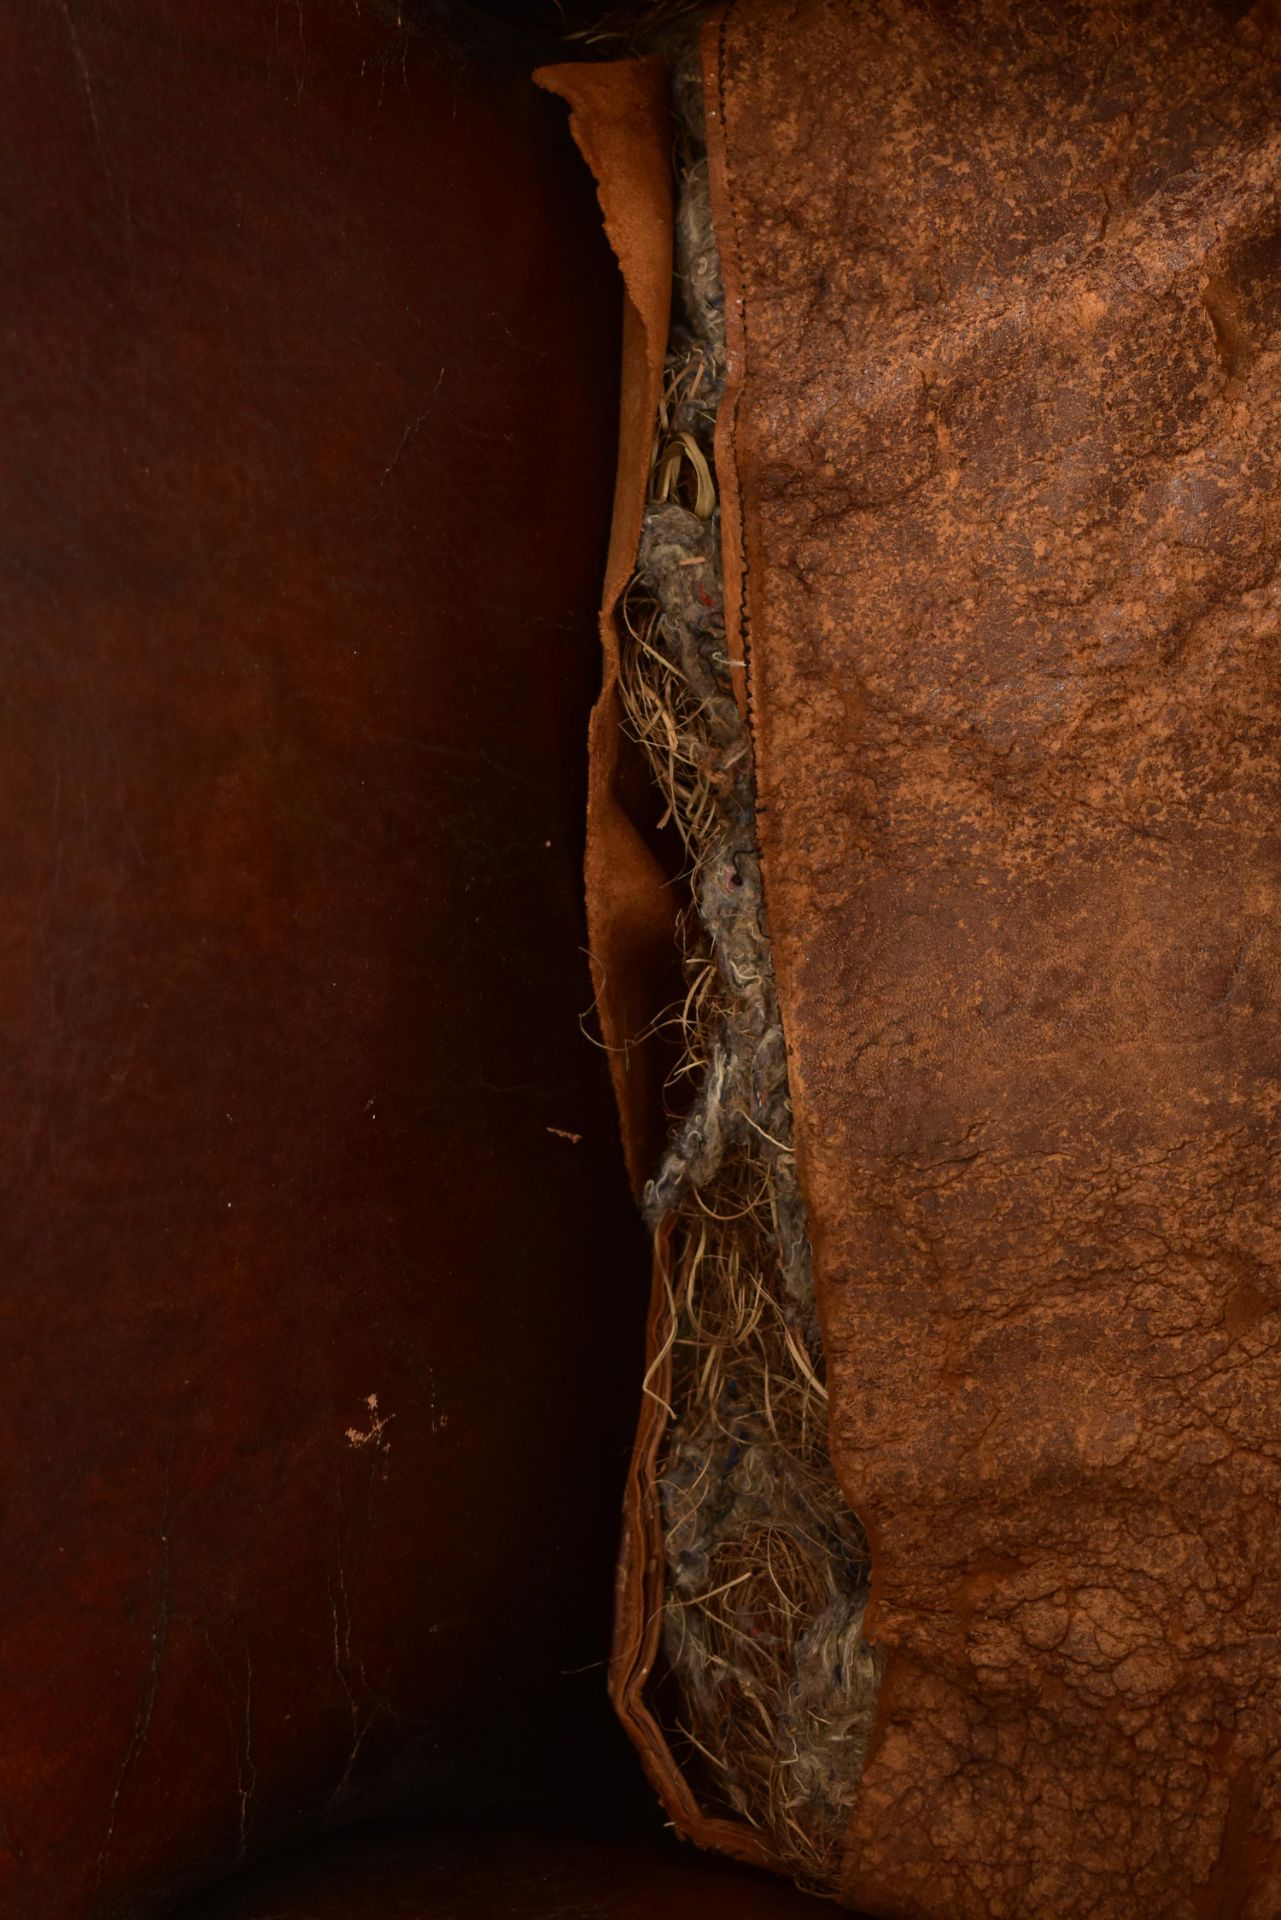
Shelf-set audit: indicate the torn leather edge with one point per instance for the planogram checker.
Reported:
(741, 575)
(733, 568)
(620, 121)
(640, 1592)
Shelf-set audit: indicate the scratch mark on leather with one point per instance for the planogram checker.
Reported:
(151, 1682)
(246, 1772)
(117, 192)
(411, 432)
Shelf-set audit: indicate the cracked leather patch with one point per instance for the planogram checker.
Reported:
(1006, 280)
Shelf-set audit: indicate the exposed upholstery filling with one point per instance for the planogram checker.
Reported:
(770, 1686)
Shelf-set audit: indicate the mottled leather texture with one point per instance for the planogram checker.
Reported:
(1005, 281)
(321, 1287)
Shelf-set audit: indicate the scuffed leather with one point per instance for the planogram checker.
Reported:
(316, 1256)
(1006, 281)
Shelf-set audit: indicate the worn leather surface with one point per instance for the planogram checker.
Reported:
(309, 385)
(1005, 280)
(480, 1875)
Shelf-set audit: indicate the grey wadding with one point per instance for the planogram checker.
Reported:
(724, 1478)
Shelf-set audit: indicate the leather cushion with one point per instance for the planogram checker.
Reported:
(309, 386)
(1003, 290)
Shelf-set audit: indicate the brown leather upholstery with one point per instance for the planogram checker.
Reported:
(320, 1281)
(1004, 282)
(478, 1875)
(318, 1334)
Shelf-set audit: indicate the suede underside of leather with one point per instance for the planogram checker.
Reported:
(1005, 283)
(619, 120)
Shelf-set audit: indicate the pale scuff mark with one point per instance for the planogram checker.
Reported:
(378, 1424)
(438, 1419)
